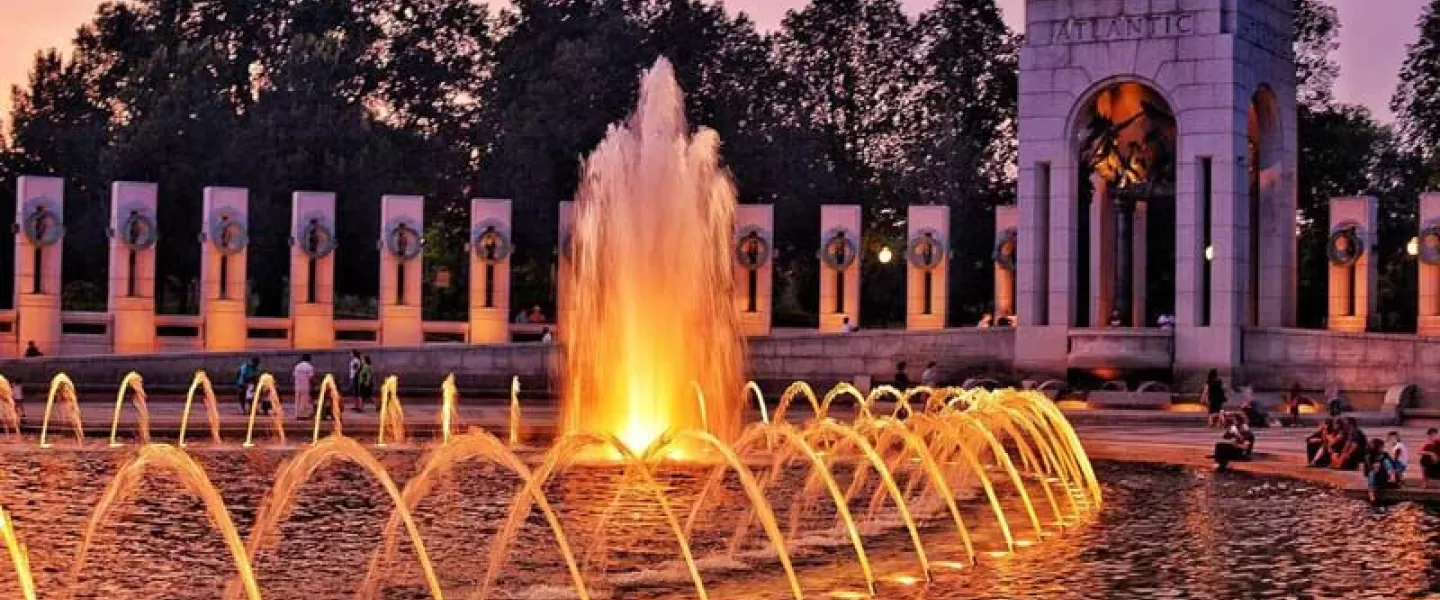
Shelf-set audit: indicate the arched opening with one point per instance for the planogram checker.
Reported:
(1263, 184)
(1125, 135)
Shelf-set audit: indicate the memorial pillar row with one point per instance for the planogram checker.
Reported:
(840, 248)
(224, 244)
(402, 230)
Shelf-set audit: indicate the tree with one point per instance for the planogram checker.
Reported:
(963, 151)
(361, 98)
(1417, 100)
(1317, 38)
(852, 73)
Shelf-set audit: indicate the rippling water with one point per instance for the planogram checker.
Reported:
(1164, 533)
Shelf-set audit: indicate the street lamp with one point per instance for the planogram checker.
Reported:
(1209, 253)
(885, 255)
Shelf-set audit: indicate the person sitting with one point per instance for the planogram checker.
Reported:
(1430, 457)
(1316, 444)
(1353, 452)
(986, 321)
(537, 316)
(32, 351)
(1380, 469)
(902, 379)
(1399, 454)
(1237, 444)
(1115, 319)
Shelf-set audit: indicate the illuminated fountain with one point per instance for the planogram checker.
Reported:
(201, 384)
(654, 477)
(652, 315)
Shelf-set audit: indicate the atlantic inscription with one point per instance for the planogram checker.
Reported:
(1113, 29)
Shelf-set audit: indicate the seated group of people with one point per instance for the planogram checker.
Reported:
(1340, 443)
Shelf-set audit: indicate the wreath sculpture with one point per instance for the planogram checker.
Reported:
(316, 240)
(752, 248)
(1429, 242)
(491, 242)
(138, 232)
(403, 240)
(1344, 246)
(43, 224)
(229, 234)
(1005, 250)
(839, 241)
(926, 250)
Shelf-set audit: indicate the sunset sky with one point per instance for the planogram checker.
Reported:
(1373, 38)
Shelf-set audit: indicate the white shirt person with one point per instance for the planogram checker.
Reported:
(302, 376)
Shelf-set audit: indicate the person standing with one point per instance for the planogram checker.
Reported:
(17, 394)
(302, 375)
(352, 381)
(245, 379)
(365, 381)
(546, 337)
(32, 351)
(1213, 397)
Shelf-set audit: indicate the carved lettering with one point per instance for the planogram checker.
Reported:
(1113, 29)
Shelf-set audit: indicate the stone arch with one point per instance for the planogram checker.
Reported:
(1265, 168)
(1124, 138)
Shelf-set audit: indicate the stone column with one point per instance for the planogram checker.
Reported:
(312, 270)
(402, 230)
(1352, 285)
(754, 267)
(1139, 277)
(225, 239)
(927, 266)
(39, 236)
(1102, 254)
(132, 266)
(1123, 273)
(1006, 220)
(562, 267)
(1429, 264)
(490, 249)
(840, 248)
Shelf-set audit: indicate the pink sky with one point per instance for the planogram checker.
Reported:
(1372, 38)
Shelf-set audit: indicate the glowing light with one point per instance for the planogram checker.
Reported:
(906, 579)
(886, 255)
(1209, 253)
(644, 316)
(1413, 247)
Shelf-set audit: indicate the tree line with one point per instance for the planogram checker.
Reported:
(847, 101)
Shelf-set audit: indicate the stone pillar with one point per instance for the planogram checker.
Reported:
(490, 248)
(1429, 262)
(754, 265)
(1353, 267)
(840, 248)
(1139, 282)
(402, 230)
(562, 266)
(1102, 254)
(1007, 244)
(132, 266)
(39, 233)
(225, 238)
(927, 266)
(312, 270)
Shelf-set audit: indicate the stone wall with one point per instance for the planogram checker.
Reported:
(820, 359)
(1364, 364)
